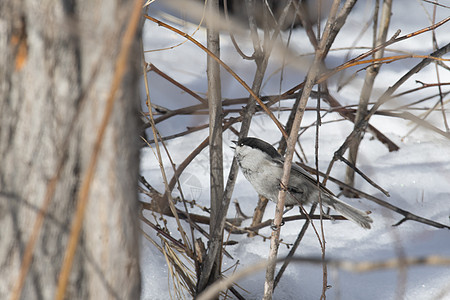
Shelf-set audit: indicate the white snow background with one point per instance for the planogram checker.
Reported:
(417, 176)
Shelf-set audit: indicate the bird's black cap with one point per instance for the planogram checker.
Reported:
(259, 144)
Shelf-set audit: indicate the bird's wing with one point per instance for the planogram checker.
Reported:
(296, 170)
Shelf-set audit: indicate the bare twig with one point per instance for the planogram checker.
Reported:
(189, 130)
(316, 160)
(364, 176)
(258, 214)
(294, 248)
(152, 67)
(164, 233)
(233, 40)
(269, 222)
(436, 3)
(423, 86)
(420, 122)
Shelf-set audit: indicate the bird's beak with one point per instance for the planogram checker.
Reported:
(232, 147)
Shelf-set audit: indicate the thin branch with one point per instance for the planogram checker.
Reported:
(269, 222)
(294, 248)
(423, 86)
(364, 176)
(436, 3)
(233, 40)
(152, 67)
(409, 116)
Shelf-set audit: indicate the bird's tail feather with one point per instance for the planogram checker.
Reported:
(351, 213)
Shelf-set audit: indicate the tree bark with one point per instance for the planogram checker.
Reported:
(56, 68)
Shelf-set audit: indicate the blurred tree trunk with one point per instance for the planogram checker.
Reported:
(56, 68)
(371, 74)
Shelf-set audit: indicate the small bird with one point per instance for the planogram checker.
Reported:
(262, 165)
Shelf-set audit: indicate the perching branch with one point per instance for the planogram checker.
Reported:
(311, 78)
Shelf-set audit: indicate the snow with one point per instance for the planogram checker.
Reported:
(417, 176)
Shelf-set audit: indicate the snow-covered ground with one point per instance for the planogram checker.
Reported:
(417, 176)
